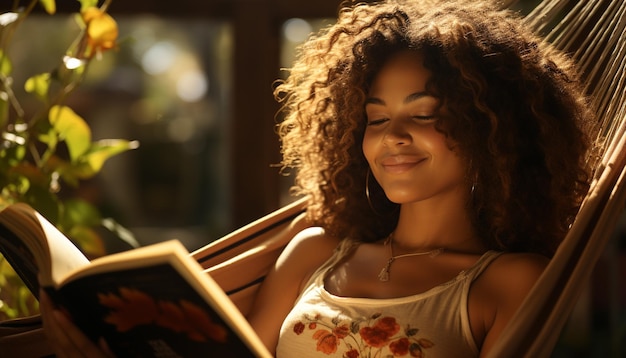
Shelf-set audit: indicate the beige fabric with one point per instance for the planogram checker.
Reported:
(435, 322)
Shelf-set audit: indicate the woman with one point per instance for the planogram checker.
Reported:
(443, 148)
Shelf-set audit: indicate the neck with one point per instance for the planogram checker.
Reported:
(426, 226)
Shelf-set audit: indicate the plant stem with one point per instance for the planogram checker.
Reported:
(6, 41)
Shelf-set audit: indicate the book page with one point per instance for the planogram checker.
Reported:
(64, 255)
(38, 247)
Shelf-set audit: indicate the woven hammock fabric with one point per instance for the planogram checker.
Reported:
(593, 33)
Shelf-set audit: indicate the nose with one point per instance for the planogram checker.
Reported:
(396, 133)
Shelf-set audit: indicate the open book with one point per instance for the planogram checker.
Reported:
(153, 301)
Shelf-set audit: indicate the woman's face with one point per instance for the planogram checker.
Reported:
(409, 158)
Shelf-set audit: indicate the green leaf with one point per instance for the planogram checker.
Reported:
(5, 64)
(92, 162)
(104, 149)
(44, 201)
(78, 220)
(72, 129)
(20, 185)
(80, 212)
(85, 4)
(38, 85)
(49, 137)
(49, 5)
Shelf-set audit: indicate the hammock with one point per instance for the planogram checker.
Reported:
(593, 31)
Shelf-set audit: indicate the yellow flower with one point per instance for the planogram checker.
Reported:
(101, 31)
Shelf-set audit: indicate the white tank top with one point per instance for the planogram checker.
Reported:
(434, 323)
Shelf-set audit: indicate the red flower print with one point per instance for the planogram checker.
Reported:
(379, 334)
(400, 347)
(341, 331)
(298, 328)
(367, 336)
(326, 341)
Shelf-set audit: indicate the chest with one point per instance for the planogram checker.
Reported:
(358, 274)
(325, 325)
(319, 328)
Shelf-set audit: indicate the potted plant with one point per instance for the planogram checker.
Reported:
(48, 147)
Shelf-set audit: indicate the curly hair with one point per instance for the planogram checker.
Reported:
(516, 115)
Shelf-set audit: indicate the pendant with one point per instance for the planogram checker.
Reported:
(384, 273)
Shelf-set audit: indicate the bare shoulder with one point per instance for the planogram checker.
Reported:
(507, 280)
(510, 277)
(310, 246)
(499, 292)
(518, 271)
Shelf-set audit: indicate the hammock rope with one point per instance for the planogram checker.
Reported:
(593, 32)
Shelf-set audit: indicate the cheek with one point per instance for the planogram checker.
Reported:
(439, 147)
(369, 147)
(435, 142)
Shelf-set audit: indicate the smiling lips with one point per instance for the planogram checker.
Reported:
(400, 163)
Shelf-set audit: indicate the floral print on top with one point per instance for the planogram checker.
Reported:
(430, 324)
(364, 337)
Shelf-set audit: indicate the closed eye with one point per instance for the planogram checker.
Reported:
(425, 118)
(376, 122)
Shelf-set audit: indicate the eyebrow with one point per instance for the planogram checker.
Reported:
(410, 98)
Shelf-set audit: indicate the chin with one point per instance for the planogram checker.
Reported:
(404, 198)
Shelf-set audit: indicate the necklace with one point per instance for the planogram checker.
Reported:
(384, 273)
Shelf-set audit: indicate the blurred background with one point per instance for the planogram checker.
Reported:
(192, 82)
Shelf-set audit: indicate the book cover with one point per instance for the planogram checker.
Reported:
(153, 301)
(149, 312)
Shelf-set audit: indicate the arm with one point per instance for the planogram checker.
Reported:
(502, 289)
(306, 252)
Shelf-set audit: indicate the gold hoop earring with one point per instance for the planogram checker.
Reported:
(474, 180)
(367, 191)
(389, 208)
